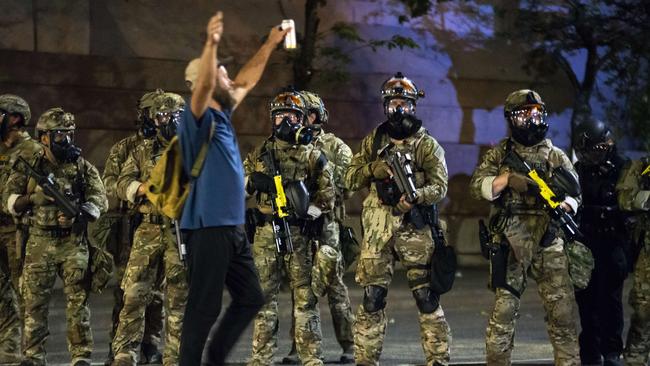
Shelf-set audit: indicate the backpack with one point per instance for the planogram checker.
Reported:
(168, 185)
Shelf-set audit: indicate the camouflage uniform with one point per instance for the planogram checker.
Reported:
(532, 252)
(53, 248)
(301, 162)
(111, 231)
(329, 274)
(388, 237)
(154, 252)
(633, 193)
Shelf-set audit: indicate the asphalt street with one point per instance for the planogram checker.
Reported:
(467, 308)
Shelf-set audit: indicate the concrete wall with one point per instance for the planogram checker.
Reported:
(95, 58)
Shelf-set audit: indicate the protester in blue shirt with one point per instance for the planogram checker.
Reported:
(213, 216)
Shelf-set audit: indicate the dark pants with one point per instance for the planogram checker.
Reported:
(217, 256)
(601, 305)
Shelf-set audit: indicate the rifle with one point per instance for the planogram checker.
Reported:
(281, 231)
(443, 262)
(550, 198)
(180, 243)
(51, 188)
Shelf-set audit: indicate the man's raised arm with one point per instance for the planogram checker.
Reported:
(251, 73)
(206, 80)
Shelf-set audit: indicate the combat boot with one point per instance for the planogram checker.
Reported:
(150, 354)
(348, 355)
(81, 363)
(613, 360)
(292, 358)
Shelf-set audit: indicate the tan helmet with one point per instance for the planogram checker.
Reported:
(146, 100)
(399, 86)
(315, 104)
(55, 119)
(166, 103)
(522, 98)
(288, 101)
(15, 104)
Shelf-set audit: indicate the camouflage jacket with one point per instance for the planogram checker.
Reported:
(73, 180)
(543, 157)
(136, 170)
(117, 156)
(633, 192)
(429, 166)
(338, 155)
(296, 163)
(26, 147)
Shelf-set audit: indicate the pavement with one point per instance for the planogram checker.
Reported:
(467, 308)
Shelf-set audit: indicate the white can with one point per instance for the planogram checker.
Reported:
(290, 38)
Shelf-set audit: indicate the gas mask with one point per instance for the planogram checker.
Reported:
(147, 126)
(63, 148)
(528, 125)
(293, 133)
(168, 123)
(401, 124)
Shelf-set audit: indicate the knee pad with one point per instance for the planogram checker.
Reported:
(426, 300)
(374, 298)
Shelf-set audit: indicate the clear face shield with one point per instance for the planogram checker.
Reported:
(167, 123)
(400, 106)
(528, 116)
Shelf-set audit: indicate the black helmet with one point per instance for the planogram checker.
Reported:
(593, 141)
(526, 114)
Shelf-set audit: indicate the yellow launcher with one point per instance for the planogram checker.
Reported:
(280, 198)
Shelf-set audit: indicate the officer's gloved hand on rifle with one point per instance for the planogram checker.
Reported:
(404, 206)
(519, 182)
(90, 211)
(39, 198)
(380, 170)
(260, 182)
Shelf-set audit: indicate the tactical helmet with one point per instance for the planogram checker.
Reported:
(147, 100)
(55, 119)
(593, 140)
(399, 86)
(315, 105)
(288, 101)
(15, 104)
(526, 113)
(166, 103)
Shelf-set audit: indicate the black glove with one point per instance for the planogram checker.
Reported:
(260, 182)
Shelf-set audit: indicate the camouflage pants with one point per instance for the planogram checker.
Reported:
(305, 310)
(111, 232)
(10, 327)
(549, 267)
(150, 244)
(45, 257)
(637, 349)
(414, 249)
(329, 275)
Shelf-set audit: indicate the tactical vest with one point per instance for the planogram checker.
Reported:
(70, 178)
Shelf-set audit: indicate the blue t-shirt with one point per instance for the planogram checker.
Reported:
(217, 196)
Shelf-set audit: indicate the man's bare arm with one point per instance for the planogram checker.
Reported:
(206, 80)
(251, 73)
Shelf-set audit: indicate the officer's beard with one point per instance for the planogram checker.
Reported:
(224, 98)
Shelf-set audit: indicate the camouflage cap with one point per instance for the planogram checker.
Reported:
(522, 98)
(15, 104)
(167, 102)
(55, 119)
(315, 104)
(147, 100)
(581, 263)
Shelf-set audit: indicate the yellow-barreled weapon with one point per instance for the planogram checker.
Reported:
(280, 197)
(646, 171)
(563, 180)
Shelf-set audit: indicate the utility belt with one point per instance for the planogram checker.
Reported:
(51, 231)
(155, 219)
